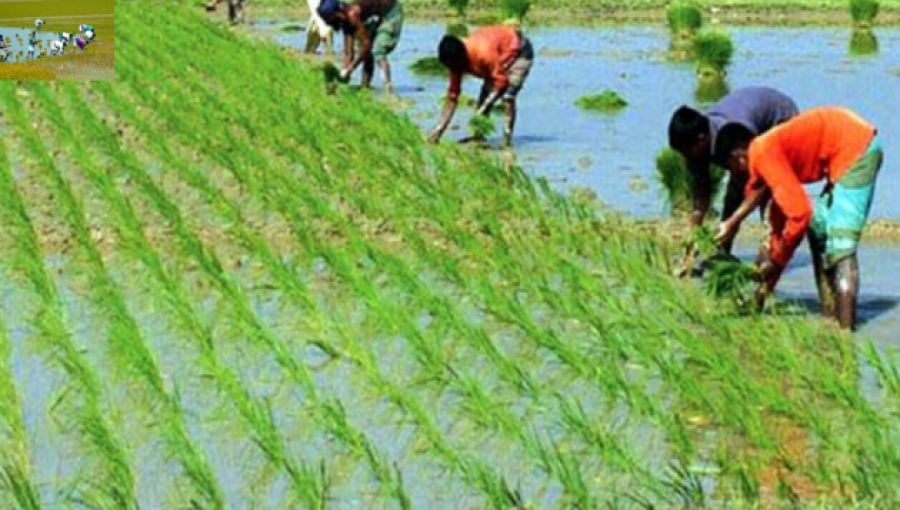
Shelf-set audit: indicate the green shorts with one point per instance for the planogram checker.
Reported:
(840, 214)
(386, 32)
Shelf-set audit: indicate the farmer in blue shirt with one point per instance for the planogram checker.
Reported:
(693, 135)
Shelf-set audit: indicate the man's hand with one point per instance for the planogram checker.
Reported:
(765, 271)
(434, 137)
(727, 231)
(344, 76)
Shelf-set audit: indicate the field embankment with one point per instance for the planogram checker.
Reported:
(221, 296)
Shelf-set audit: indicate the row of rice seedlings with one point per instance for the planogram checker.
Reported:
(107, 477)
(481, 470)
(127, 341)
(305, 480)
(16, 479)
(328, 413)
(863, 13)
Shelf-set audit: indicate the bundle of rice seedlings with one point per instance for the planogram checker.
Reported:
(678, 183)
(713, 51)
(684, 18)
(331, 75)
(481, 126)
(428, 66)
(863, 13)
(607, 101)
(711, 87)
(728, 277)
(863, 42)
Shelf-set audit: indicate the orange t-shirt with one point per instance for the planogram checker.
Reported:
(492, 50)
(820, 143)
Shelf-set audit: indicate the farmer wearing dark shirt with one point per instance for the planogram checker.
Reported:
(693, 134)
(376, 25)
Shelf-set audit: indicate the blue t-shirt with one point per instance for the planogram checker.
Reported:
(757, 108)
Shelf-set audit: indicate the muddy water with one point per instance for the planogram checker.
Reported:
(614, 154)
(14, 46)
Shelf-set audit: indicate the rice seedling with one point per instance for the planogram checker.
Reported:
(863, 42)
(112, 462)
(677, 181)
(607, 101)
(428, 66)
(482, 126)
(863, 13)
(711, 87)
(684, 18)
(713, 51)
(515, 9)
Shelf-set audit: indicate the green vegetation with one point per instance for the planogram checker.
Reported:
(190, 303)
(863, 13)
(428, 66)
(711, 86)
(482, 126)
(515, 9)
(684, 18)
(608, 101)
(458, 29)
(677, 181)
(44, 8)
(713, 51)
(458, 6)
(863, 42)
(726, 276)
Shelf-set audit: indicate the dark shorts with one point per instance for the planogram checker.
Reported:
(519, 69)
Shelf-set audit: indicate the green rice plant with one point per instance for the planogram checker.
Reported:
(428, 66)
(126, 337)
(460, 30)
(711, 87)
(684, 19)
(515, 9)
(15, 470)
(88, 399)
(458, 6)
(677, 182)
(607, 101)
(713, 51)
(863, 42)
(863, 13)
(482, 126)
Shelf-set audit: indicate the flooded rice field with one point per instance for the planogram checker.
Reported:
(614, 154)
(17, 42)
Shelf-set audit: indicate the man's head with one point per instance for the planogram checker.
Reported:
(332, 12)
(732, 142)
(452, 53)
(689, 133)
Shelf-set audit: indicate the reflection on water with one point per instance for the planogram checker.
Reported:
(863, 42)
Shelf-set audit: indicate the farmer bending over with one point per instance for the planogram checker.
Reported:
(831, 144)
(375, 25)
(693, 134)
(499, 55)
(4, 52)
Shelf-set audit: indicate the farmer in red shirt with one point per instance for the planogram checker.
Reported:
(829, 143)
(499, 55)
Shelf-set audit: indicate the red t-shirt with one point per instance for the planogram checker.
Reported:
(492, 50)
(820, 143)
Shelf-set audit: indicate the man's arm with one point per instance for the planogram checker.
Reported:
(500, 74)
(349, 46)
(730, 226)
(702, 189)
(355, 23)
(449, 107)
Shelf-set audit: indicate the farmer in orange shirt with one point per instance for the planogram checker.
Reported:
(499, 55)
(829, 143)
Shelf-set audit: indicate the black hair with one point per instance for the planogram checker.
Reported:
(452, 53)
(686, 126)
(732, 136)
